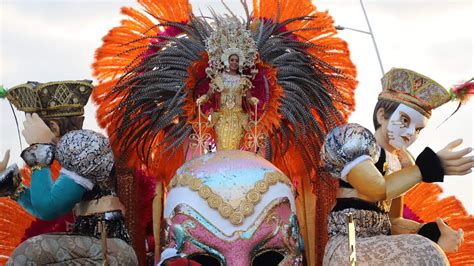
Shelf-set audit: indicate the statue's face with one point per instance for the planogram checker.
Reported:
(233, 62)
(404, 126)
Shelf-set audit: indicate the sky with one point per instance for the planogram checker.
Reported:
(56, 39)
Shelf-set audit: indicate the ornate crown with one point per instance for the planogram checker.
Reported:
(414, 90)
(230, 37)
(52, 99)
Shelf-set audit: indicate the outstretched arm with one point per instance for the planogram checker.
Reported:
(367, 180)
(430, 167)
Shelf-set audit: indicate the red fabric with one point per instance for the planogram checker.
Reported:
(181, 262)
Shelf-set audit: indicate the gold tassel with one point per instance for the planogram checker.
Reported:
(103, 238)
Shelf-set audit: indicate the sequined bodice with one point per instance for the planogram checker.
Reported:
(231, 91)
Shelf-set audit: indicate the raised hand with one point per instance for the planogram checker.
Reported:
(36, 131)
(203, 99)
(254, 101)
(4, 162)
(456, 162)
(450, 240)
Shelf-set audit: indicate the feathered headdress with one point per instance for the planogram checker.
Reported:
(151, 70)
(149, 79)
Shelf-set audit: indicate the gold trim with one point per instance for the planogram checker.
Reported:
(263, 217)
(18, 192)
(246, 207)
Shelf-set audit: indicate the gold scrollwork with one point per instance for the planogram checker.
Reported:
(237, 218)
(215, 201)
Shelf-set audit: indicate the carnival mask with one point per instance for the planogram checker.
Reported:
(232, 208)
(404, 126)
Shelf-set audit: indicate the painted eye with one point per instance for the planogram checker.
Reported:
(405, 121)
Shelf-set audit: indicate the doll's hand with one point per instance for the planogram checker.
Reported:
(4, 162)
(36, 131)
(449, 240)
(202, 99)
(254, 101)
(455, 162)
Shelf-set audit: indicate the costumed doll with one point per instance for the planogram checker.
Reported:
(85, 184)
(60, 104)
(274, 82)
(230, 121)
(375, 170)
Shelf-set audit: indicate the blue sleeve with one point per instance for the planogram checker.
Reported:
(25, 201)
(49, 199)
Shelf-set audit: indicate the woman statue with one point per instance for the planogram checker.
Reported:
(230, 121)
(375, 170)
(86, 185)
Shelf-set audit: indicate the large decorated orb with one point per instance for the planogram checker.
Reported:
(232, 208)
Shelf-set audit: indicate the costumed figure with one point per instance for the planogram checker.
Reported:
(226, 47)
(273, 83)
(60, 104)
(86, 184)
(375, 171)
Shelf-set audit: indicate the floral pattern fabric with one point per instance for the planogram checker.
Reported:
(63, 249)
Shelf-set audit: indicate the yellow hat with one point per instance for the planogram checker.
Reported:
(414, 90)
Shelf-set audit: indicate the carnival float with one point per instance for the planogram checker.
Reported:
(227, 142)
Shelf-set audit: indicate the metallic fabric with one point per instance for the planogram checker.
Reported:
(346, 143)
(38, 155)
(86, 153)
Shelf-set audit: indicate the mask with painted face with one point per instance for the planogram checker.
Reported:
(232, 208)
(404, 126)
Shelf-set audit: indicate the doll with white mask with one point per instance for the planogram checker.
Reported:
(375, 171)
(404, 126)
